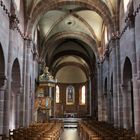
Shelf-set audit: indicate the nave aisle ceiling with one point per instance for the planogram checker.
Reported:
(72, 18)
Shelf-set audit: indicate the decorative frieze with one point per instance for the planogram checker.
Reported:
(14, 21)
(130, 19)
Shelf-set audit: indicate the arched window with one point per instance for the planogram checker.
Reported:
(17, 4)
(83, 96)
(35, 37)
(57, 94)
(106, 36)
(125, 3)
(70, 95)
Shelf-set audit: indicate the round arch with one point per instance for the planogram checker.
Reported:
(72, 64)
(2, 66)
(16, 71)
(40, 8)
(127, 70)
(15, 95)
(65, 53)
(55, 39)
(128, 97)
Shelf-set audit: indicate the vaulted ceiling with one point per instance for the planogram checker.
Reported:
(74, 28)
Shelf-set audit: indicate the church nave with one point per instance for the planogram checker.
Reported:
(70, 69)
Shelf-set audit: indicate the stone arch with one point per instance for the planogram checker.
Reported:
(15, 95)
(2, 86)
(76, 35)
(40, 8)
(2, 67)
(128, 97)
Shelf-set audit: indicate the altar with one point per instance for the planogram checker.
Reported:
(70, 115)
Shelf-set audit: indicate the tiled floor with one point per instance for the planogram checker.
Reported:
(70, 134)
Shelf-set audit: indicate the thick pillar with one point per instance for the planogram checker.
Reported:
(90, 98)
(7, 95)
(118, 81)
(100, 92)
(108, 108)
(2, 92)
(136, 89)
(54, 101)
(50, 95)
(115, 96)
(136, 79)
(17, 109)
(27, 118)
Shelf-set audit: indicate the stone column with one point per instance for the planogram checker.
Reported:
(7, 100)
(115, 97)
(17, 109)
(120, 107)
(90, 98)
(126, 106)
(16, 89)
(100, 92)
(108, 108)
(54, 101)
(118, 78)
(32, 107)
(136, 89)
(2, 92)
(50, 95)
(13, 23)
(7, 95)
(136, 79)
(28, 44)
(21, 97)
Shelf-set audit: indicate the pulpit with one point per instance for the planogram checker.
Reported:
(43, 101)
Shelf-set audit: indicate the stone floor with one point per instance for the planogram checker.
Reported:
(70, 134)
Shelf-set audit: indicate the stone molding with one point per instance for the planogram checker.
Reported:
(14, 20)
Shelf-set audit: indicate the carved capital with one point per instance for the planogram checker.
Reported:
(2, 80)
(13, 18)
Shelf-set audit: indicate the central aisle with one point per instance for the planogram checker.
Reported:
(70, 134)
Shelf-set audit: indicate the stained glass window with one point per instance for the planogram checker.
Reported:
(57, 94)
(70, 95)
(17, 4)
(125, 2)
(83, 95)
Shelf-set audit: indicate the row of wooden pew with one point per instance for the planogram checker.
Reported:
(93, 130)
(38, 131)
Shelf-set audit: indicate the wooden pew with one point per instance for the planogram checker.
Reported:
(91, 129)
(39, 131)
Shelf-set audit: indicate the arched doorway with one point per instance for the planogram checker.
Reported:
(2, 88)
(15, 95)
(128, 103)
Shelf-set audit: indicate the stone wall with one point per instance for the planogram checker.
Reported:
(121, 49)
(14, 45)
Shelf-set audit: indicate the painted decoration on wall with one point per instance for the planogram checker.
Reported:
(70, 95)
(48, 102)
(43, 102)
(40, 92)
